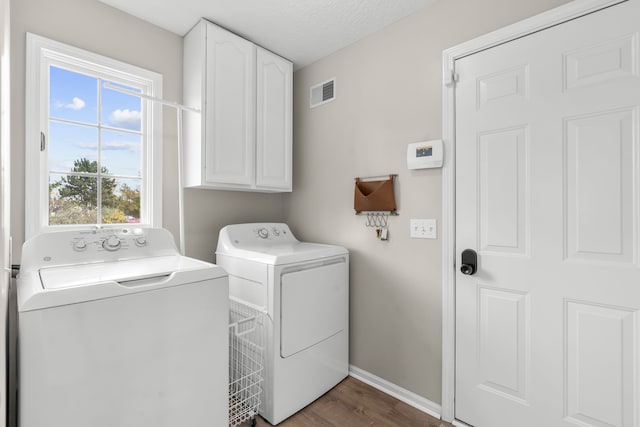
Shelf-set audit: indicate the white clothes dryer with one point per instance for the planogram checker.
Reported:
(304, 288)
(116, 328)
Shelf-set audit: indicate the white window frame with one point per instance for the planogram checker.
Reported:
(43, 52)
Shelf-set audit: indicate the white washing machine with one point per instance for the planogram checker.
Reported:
(116, 328)
(304, 288)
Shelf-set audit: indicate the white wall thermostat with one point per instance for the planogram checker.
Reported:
(424, 155)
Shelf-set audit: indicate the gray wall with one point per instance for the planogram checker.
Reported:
(388, 95)
(94, 26)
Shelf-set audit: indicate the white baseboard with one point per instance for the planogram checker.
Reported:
(408, 397)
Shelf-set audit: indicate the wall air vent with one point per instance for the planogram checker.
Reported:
(322, 93)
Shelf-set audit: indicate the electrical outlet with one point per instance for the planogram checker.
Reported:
(423, 228)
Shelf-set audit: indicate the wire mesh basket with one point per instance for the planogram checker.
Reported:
(246, 361)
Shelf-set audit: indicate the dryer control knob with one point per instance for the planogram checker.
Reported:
(111, 243)
(276, 232)
(263, 233)
(141, 241)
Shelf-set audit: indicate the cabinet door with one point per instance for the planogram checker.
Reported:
(273, 124)
(230, 108)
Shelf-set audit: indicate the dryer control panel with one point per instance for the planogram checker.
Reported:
(274, 231)
(256, 234)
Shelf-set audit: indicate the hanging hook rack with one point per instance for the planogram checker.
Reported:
(377, 219)
(387, 213)
(380, 222)
(374, 196)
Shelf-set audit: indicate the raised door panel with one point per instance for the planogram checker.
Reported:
(230, 108)
(273, 124)
(502, 191)
(600, 361)
(599, 171)
(503, 342)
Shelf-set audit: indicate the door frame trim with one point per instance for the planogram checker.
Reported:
(523, 28)
(6, 381)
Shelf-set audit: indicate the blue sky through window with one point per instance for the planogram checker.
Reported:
(73, 96)
(74, 100)
(89, 121)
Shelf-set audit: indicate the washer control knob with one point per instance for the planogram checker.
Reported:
(276, 231)
(80, 245)
(263, 233)
(141, 241)
(111, 243)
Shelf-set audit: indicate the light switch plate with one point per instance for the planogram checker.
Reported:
(423, 228)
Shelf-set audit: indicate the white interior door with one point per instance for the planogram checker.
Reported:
(548, 194)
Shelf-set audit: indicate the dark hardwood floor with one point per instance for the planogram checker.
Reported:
(353, 403)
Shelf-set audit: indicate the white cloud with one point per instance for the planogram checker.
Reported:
(85, 145)
(133, 147)
(77, 104)
(128, 119)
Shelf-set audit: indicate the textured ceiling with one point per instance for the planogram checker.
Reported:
(301, 30)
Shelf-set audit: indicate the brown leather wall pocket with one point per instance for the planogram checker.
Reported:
(374, 196)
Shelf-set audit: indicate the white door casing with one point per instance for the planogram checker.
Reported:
(5, 239)
(547, 136)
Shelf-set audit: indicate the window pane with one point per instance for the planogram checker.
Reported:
(72, 199)
(121, 200)
(120, 110)
(73, 96)
(69, 145)
(121, 153)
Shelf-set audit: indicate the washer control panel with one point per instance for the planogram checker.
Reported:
(111, 239)
(96, 245)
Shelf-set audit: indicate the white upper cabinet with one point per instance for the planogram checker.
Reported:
(229, 108)
(273, 125)
(242, 140)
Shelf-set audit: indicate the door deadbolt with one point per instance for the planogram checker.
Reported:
(469, 264)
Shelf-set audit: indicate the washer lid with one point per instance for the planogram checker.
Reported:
(55, 286)
(120, 272)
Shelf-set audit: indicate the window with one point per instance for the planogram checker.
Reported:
(93, 147)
